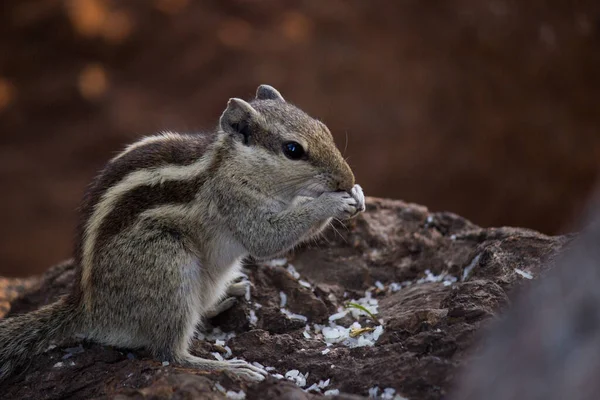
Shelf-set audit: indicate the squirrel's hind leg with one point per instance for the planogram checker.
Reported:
(240, 368)
(172, 340)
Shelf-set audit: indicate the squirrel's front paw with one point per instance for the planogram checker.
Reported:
(359, 196)
(339, 205)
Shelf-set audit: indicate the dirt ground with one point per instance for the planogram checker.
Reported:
(486, 108)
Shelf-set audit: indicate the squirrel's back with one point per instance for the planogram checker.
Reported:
(151, 152)
(130, 183)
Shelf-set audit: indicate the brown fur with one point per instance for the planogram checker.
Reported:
(172, 152)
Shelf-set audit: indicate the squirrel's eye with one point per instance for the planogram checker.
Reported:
(293, 150)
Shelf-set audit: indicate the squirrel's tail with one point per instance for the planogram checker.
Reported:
(24, 336)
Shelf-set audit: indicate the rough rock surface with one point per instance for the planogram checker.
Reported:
(546, 346)
(429, 324)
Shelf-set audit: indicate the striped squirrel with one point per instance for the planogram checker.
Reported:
(165, 226)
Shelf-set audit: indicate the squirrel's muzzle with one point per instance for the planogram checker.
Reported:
(345, 178)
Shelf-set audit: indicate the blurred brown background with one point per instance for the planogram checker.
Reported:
(487, 108)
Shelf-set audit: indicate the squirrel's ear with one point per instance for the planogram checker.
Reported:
(237, 118)
(266, 92)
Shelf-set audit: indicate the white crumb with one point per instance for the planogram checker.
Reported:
(313, 387)
(247, 295)
(524, 274)
(388, 394)
(394, 286)
(241, 395)
(469, 268)
(377, 332)
(293, 272)
(215, 334)
(373, 392)
(338, 315)
(283, 299)
(296, 376)
(304, 283)
(252, 318)
(220, 387)
(278, 262)
(291, 315)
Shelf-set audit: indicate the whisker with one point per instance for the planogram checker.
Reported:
(289, 182)
(346, 145)
(293, 180)
(323, 236)
(288, 186)
(338, 232)
(344, 226)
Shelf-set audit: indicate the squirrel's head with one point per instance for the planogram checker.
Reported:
(290, 152)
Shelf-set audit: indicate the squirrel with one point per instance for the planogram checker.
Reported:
(165, 226)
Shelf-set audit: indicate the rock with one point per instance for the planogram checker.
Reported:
(547, 346)
(438, 280)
